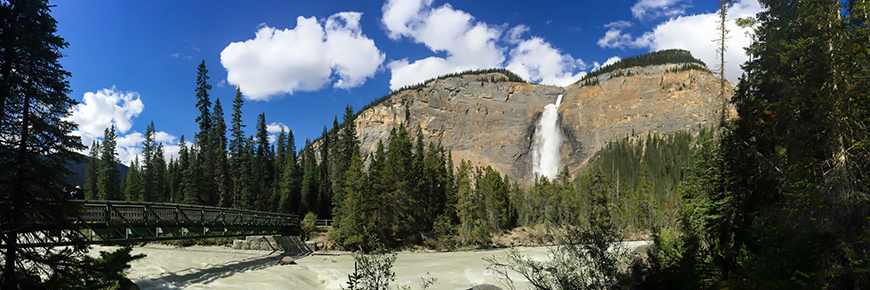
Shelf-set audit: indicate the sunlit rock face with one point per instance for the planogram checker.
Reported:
(495, 123)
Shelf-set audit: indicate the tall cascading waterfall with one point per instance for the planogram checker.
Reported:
(547, 142)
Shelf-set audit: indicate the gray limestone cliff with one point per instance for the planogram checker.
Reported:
(493, 123)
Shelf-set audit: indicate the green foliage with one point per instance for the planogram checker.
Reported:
(104, 272)
(585, 258)
(133, 182)
(371, 272)
(37, 144)
(668, 56)
(92, 171)
(780, 201)
(375, 272)
(309, 225)
(219, 170)
(108, 181)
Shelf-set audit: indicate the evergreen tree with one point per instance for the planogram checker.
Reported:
(343, 147)
(434, 181)
(220, 164)
(280, 155)
(202, 181)
(148, 170)
(108, 183)
(324, 186)
(236, 149)
(203, 104)
(400, 216)
(250, 183)
(93, 171)
(471, 231)
(495, 199)
(264, 156)
(355, 207)
(720, 54)
(181, 172)
(379, 189)
(794, 191)
(158, 163)
(291, 179)
(133, 189)
(192, 178)
(309, 183)
(36, 144)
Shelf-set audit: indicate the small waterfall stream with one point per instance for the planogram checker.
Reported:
(547, 142)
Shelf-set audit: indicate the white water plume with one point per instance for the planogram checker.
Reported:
(547, 142)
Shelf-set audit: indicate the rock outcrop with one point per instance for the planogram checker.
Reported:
(493, 123)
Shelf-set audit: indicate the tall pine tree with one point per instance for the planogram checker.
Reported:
(108, 183)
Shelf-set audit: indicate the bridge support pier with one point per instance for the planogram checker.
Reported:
(289, 244)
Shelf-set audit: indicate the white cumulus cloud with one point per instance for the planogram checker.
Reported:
(275, 127)
(536, 59)
(695, 33)
(657, 8)
(470, 44)
(467, 44)
(106, 107)
(305, 58)
(618, 24)
(614, 38)
(99, 110)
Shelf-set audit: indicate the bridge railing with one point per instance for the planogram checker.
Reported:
(105, 221)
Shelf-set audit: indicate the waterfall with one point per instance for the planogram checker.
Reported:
(547, 142)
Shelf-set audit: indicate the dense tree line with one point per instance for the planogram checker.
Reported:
(780, 198)
(660, 57)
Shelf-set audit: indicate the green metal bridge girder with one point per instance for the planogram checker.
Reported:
(114, 222)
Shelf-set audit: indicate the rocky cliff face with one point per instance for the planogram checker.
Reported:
(494, 123)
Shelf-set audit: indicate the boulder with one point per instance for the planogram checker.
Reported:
(287, 261)
(126, 284)
(642, 249)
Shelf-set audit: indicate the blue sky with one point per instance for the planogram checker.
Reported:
(301, 62)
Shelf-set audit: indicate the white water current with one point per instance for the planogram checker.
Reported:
(547, 142)
(222, 268)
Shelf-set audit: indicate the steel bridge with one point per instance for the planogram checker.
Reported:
(121, 222)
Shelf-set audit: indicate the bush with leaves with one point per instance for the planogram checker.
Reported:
(375, 272)
(309, 225)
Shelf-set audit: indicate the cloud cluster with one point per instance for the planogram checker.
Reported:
(100, 110)
(469, 44)
(536, 59)
(658, 8)
(107, 107)
(274, 129)
(694, 33)
(305, 58)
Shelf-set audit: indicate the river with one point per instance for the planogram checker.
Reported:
(222, 268)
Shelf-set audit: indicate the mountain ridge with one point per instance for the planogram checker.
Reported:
(493, 123)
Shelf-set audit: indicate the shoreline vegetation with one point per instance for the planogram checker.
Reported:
(536, 236)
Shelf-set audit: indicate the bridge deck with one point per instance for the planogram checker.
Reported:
(112, 222)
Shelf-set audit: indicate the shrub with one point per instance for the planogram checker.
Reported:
(309, 225)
